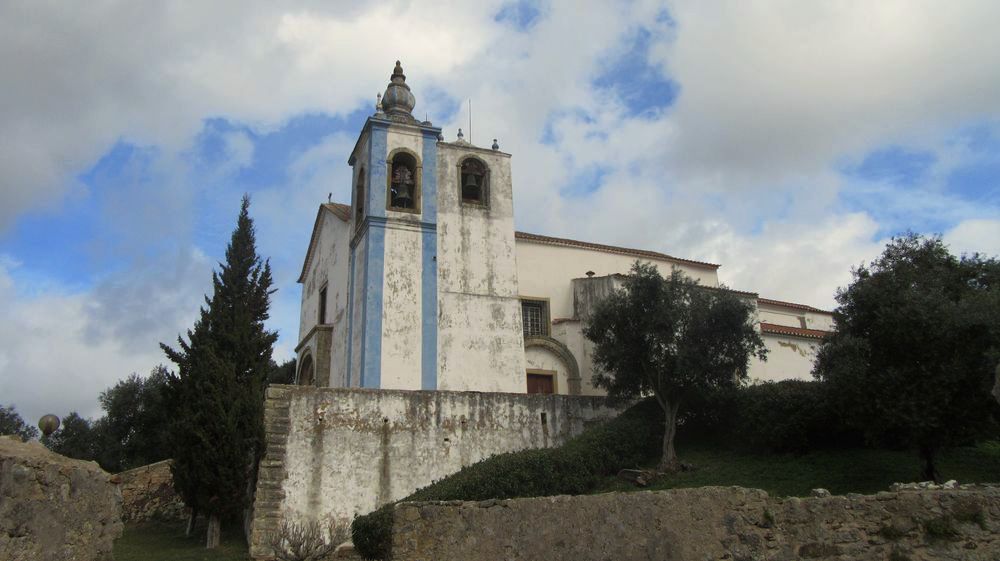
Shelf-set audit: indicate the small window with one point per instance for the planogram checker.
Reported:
(322, 305)
(404, 185)
(474, 178)
(535, 317)
(359, 199)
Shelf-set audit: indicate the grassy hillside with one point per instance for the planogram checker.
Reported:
(162, 541)
(857, 470)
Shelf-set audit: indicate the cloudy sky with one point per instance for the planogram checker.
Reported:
(785, 140)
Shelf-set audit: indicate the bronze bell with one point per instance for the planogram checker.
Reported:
(470, 182)
(404, 195)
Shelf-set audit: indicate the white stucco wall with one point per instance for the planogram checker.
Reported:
(348, 451)
(547, 271)
(402, 300)
(480, 344)
(788, 358)
(795, 317)
(538, 358)
(329, 266)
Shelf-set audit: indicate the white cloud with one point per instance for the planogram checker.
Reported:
(61, 348)
(975, 236)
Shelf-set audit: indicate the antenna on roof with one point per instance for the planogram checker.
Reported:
(470, 120)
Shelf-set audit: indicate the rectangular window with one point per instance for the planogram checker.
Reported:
(535, 317)
(322, 305)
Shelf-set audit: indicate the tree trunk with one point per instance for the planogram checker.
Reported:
(929, 471)
(214, 531)
(668, 461)
(191, 520)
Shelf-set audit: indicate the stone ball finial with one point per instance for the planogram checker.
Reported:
(398, 100)
(495, 145)
(460, 135)
(48, 424)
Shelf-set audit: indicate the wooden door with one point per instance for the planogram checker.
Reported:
(541, 383)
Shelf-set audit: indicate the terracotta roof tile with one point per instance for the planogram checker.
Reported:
(776, 329)
(549, 240)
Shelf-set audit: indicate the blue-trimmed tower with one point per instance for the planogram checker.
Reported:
(432, 290)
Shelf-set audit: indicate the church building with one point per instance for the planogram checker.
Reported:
(422, 282)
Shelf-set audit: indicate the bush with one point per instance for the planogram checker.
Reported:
(788, 416)
(573, 468)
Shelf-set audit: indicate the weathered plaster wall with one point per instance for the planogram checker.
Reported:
(329, 266)
(788, 358)
(357, 308)
(402, 322)
(547, 271)
(479, 328)
(705, 523)
(333, 453)
(792, 317)
(537, 358)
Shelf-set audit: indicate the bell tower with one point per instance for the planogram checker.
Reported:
(433, 299)
(392, 309)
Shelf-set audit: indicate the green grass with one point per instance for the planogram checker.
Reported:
(839, 471)
(156, 541)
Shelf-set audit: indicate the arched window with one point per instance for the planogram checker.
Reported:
(474, 181)
(359, 199)
(404, 183)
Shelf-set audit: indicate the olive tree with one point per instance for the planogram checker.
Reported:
(673, 339)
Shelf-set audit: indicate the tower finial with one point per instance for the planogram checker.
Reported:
(398, 101)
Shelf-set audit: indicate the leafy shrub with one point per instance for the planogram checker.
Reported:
(575, 467)
(787, 416)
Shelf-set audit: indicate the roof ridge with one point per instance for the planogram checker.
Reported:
(785, 303)
(552, 240)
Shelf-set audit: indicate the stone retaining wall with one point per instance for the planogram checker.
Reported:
(706, 523)
(148, 494)
(53, 508)
(333, 453)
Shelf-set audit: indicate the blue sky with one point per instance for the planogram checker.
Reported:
(785, 141)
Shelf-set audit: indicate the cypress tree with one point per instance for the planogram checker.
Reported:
(217, 435)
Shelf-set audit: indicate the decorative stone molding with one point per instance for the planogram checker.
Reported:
(573, 378)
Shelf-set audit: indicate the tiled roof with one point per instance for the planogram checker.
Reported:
(792, 305)
(342, 212)
(548, 240)
(776, 329)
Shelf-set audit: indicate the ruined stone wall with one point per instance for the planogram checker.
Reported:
(53, 508)
(333, 453)
(148, 494)
(706, 523)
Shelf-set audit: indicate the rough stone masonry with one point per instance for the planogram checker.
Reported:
(709, 523)
(54, 508)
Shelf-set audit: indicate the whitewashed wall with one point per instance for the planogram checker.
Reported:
(330, 266)
(789, 358)
(480, 343)
(334, 453)
(547, 271)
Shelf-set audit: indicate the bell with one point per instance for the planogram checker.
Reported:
(404, 196)
(470, 181)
